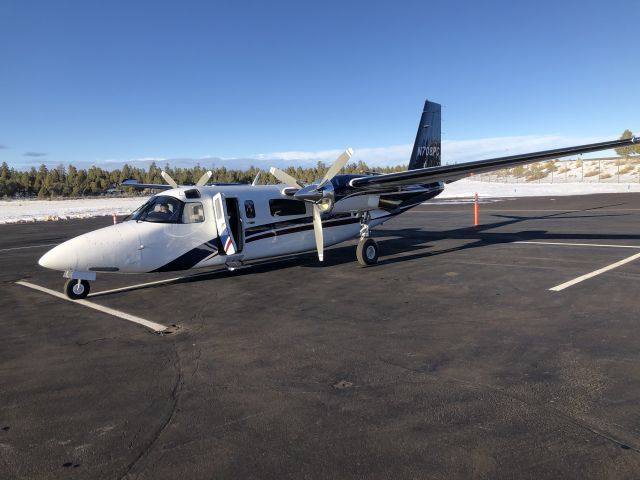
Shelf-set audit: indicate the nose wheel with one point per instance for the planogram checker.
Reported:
(77, 289)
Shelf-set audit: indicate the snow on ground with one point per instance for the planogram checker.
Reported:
(19, 211)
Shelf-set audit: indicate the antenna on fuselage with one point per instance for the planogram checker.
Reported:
(255, 180)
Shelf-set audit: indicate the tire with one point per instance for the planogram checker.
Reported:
(367, 252)
(75, 291)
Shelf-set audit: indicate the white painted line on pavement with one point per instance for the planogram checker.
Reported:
(156, 282)
(593, 274)
(134, 287)
(582, 244)
(30, 246)
(156, 327)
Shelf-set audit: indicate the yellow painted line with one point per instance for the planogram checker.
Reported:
(156, 327)
(582, 278)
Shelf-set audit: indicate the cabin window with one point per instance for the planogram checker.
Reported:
(281, 207)
(249, 209)
(193, 213)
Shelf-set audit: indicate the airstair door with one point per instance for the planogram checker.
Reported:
(222, 224)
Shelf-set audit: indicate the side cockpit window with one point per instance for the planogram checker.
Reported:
(159, 209)
(193, 213)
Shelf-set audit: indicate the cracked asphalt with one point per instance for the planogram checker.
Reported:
(449, 359)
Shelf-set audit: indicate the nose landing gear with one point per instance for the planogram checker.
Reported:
(76, 289)
(77, 286)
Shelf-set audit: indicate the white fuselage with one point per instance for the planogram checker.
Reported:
(259, 228)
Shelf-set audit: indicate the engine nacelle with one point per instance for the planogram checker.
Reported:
(358, 203)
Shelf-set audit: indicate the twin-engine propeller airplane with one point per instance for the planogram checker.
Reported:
(208, 225)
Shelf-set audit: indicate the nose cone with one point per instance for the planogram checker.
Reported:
(63, 257)
(111, 249)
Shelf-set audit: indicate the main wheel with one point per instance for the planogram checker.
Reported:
(367, 252)
(76, 291)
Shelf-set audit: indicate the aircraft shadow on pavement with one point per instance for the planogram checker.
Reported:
(417, 240)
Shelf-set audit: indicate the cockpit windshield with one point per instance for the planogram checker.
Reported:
(159, 209)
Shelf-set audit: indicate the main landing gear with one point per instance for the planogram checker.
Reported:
(367, 249)
(77, 289)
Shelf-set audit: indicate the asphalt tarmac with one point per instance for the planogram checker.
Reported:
(451, 358)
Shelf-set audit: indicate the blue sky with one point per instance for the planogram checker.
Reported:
(270, 82)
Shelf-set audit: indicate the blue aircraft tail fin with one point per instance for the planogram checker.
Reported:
(426, 149)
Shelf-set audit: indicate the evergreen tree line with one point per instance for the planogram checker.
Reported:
(74, 182)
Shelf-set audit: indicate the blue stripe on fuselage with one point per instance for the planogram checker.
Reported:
(191, 258)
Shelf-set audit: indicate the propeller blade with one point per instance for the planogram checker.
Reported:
(285, 178)
(168, 179)
(317, 230)
(204, 179)
(340, 162)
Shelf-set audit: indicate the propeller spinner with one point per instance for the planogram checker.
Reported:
(320, 194)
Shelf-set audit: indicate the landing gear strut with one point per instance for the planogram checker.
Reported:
(76, 289)
(367, 249)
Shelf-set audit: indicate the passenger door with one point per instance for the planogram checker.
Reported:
(222, 224)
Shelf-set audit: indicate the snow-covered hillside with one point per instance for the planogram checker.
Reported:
(467, 188)
(604, 170)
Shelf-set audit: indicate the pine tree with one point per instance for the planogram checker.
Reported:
(630, 150)
(5, 173)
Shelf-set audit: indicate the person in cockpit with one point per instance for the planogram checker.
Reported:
(162, 212)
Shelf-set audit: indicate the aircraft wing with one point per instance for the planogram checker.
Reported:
(451, 173)
(141, 186)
